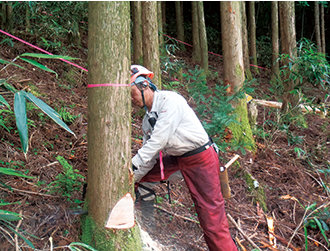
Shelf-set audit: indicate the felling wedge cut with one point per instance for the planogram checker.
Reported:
(122, 215)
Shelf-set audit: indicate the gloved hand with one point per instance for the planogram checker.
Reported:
(134, 167)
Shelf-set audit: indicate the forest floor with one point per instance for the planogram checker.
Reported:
(290, 184)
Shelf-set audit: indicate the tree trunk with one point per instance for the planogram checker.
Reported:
(317, 26)
(27, 17)
(234, 68)
(163, 3)
(323, 30)
(202, 37)
(9, 21)
(288, 45)
(275, 40)
(246, 57)
(150, 40)
(160, 28)
(137, 33)
(252, 30)
(196, 53)
(109, 137)
(179, 21)
(3, 15)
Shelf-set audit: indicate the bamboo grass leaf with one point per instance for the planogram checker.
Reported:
(40, 66)
(21, 119)
(3, 101)
(2, 61)
(13, 172)
(47, 110)
(9, 216)
(46, 56)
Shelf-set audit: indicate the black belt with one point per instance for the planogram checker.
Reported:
(197, 150)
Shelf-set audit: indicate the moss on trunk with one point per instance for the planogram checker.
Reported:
(105, 239)
(241, 132)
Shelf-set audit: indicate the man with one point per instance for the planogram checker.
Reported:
(171, 127)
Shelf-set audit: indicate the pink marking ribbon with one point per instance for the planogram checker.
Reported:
(108, 84)
(161, 164)
(36, 47)
(209, 51)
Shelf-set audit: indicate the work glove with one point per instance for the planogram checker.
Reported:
(134, 168)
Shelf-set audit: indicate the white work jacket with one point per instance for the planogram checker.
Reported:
(176, 132)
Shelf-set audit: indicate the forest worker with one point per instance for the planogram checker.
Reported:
(171, 126)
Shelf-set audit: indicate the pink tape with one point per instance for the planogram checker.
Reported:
(36, 47)
(161, 164)
(100, 85)
(209, 51)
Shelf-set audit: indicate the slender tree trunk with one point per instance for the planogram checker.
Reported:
(160, 28)
(288, 45)
(27, 17)
(317, 26)
(179, 21)
(164, 15)
(202, 37)
(150, 41)
(109, 137)
(10, 19)
(322, 30)
(275, 40)
(137, 33)
(246, 57)
(252, 30)
(196, 54)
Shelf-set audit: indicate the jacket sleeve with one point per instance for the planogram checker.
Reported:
(169, 117)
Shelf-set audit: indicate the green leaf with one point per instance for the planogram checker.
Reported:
(26, 240)
(321, 229)
(41, 55)
(47, 110)
(21, 119)
(2, 61)
(4, 126)
(9, 87)
(9, 216)
(3, 101)
(36, 64)
(13, 172)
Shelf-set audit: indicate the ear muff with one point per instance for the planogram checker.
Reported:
(141, 83)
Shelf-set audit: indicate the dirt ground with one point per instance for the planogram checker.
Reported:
(289, 182)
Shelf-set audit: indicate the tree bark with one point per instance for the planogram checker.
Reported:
(275, 40)
(179, 21)
(234, 67)
(234, 76)
(137, 33)
(317, 26)
(150, 41)
(288, 45)
(163, 3)
(196, 54)
(323, 30)
(160, 28)
(202, 37)
(109, 134)
(246, 57)
(252, 33)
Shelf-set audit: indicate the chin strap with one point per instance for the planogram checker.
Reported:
(144, 102)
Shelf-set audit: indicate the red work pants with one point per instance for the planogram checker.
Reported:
(201, 174)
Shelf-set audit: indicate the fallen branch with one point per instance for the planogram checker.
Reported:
(176, 215)
(28, 192)
(274, 104)
(242, 232)
(17, 228)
